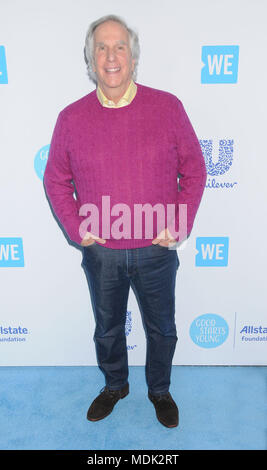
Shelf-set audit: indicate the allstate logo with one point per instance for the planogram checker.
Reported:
(10, 334)
(40, 161)
(252, 333)
(3, 67)
(209, 331)
(220, 64)
(128, 323)
(221, 165)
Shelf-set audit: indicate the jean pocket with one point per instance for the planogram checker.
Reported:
(89, 246)
(160, 246)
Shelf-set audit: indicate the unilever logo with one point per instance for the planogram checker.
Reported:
(128, 323)
(212, 251)
(220, 64)
(128, 328)
(225, 156)
(209, 331)
(11, 253)
(40, 161)
(221, 165)
(3, 66)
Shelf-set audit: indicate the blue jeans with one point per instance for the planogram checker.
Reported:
(151, 272)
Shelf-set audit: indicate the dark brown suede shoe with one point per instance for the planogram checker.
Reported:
(166, 409)
(103, 405)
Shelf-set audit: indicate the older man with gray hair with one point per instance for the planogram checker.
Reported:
(133, 147)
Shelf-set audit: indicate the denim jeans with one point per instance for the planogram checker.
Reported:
(151, 272)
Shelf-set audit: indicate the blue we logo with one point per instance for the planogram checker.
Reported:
(212, 251)
(3, 67)
(220, 64)
(11, 252)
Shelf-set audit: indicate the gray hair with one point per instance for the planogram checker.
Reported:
(89, 44)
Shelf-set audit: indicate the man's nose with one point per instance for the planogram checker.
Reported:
(110, 55)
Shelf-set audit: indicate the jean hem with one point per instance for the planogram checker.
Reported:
(164, 392)
(117, 388)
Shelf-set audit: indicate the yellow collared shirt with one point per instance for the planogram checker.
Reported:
(124, 101)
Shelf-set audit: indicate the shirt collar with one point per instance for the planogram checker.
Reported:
(124, 101)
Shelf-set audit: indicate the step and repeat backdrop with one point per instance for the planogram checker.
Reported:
(211, 54)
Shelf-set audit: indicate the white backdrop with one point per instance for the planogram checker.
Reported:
(46, 316)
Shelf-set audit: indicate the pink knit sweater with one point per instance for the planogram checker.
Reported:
(104, 162)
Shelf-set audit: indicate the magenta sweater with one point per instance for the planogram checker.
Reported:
(132, 155)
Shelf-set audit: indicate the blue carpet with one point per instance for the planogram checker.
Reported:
(45, 408)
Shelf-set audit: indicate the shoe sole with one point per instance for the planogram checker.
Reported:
(102, 417)
(168, 425)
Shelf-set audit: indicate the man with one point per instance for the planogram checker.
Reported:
(126, 144)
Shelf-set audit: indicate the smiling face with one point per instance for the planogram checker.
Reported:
(113, 62)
